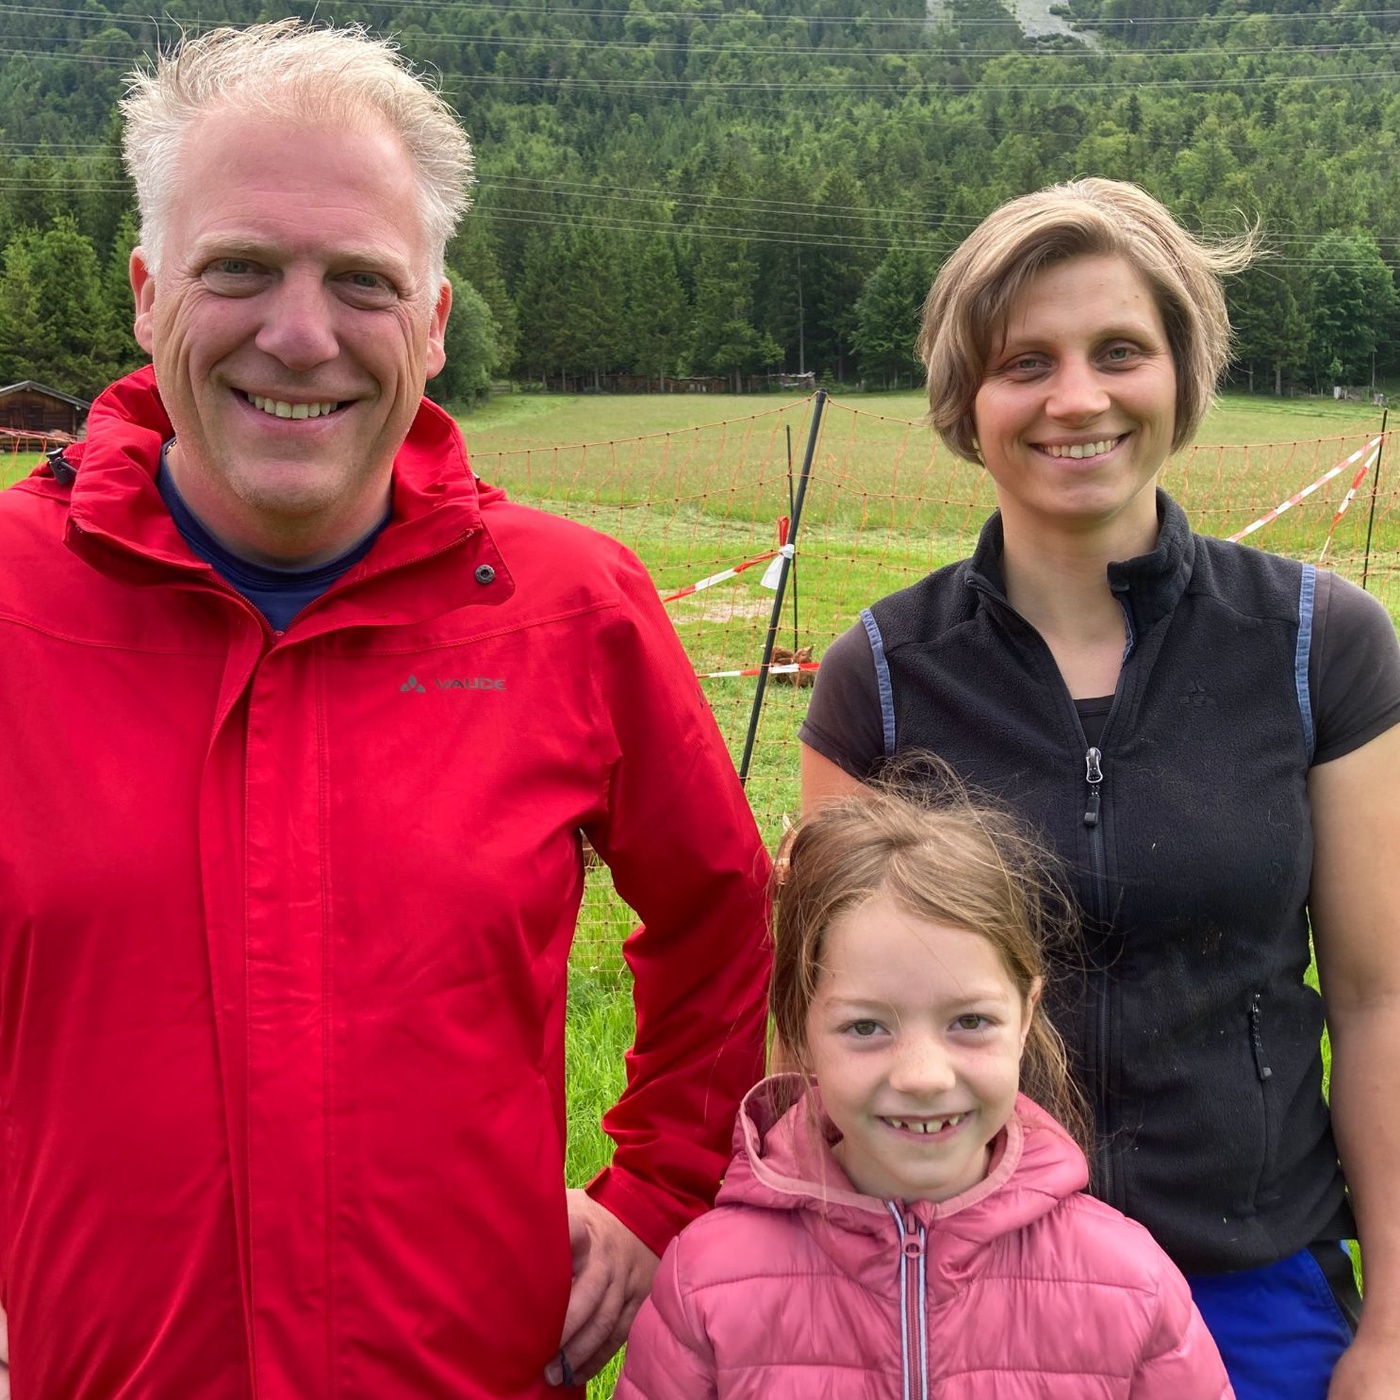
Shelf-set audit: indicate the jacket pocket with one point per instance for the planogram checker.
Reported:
(1261, 1196)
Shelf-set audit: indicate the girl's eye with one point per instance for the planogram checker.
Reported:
(863, 1030)
(971, 1022)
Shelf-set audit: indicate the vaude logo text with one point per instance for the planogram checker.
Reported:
(454, 683)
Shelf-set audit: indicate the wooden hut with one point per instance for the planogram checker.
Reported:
(35, 409)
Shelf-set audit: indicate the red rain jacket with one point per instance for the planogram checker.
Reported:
(284, 927)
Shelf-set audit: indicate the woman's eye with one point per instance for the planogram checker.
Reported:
(1024, 365)
(1119, 354)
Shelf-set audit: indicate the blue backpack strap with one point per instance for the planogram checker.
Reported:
(882, 678)
(1307, 596)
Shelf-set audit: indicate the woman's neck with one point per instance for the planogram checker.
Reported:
(1059, 584)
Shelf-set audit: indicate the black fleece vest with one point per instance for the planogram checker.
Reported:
(1189, 843)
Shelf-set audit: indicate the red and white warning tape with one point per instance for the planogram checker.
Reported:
(787, 669)
(1346, 501)
(786, 551)
(1373, 446)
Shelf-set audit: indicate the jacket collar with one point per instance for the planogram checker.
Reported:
(783, 1161)
(119, 523)
(1148, 587)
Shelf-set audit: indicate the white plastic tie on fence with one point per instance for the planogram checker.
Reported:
(773, 574)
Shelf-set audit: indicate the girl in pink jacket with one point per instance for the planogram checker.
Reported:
(899, 1222)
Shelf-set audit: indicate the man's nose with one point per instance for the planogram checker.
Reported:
(1078, 392)
(298, 326)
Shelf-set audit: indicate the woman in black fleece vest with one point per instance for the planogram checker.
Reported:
(1210, 736)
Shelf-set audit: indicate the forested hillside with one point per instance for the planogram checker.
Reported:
(680, 186)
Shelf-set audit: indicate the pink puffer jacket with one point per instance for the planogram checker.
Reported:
(796, 1287)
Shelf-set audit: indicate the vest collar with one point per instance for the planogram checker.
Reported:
(1148, 587)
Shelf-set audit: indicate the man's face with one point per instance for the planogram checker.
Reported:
(293, 324)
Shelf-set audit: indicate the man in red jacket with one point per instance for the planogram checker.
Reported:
(302, 723)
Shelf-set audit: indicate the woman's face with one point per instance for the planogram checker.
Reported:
(1076, 411)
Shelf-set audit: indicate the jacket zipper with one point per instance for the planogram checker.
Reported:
(1093, 779)
(913, 1239)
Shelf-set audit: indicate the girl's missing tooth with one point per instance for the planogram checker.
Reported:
(899, 1220)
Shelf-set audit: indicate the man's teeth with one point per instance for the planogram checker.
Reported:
(279, 408)
(925, 1125)
(1082, 449)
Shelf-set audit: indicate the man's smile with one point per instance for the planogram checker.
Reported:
(280, 408)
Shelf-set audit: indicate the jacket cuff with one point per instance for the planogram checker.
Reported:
(654, 1216)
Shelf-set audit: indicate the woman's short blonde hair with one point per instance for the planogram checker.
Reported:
(972, 295)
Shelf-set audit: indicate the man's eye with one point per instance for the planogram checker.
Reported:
(368, 282)
(233, 267)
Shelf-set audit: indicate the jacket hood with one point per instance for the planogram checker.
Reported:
(783, 1161)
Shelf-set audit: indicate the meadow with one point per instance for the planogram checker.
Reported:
(698, 484)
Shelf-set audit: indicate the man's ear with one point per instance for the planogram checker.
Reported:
(143, 288)
(437, 330)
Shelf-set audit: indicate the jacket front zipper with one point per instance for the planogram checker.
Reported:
(913, 1241)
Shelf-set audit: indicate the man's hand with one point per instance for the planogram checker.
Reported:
(613, 1271)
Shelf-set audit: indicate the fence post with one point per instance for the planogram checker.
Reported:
(1375, 488)
(775, 619)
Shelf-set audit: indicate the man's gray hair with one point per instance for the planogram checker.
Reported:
(289, 68)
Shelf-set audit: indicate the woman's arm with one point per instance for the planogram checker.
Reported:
(823, 781)
(1355, 911)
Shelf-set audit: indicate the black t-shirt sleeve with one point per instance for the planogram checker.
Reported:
(843, 721)
(1353, 668)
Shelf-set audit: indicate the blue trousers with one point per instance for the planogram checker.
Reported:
(1280, 1328)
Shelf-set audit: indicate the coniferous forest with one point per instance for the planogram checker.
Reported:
(737, 187)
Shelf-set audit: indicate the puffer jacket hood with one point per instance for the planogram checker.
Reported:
(799, 1286)
(783, 1161)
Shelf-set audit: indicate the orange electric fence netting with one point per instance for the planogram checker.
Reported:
(709, 510)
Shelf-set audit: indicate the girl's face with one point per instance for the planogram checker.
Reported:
(914, 1037)
(1076, 411)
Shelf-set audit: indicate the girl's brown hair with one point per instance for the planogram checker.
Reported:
(940, 856)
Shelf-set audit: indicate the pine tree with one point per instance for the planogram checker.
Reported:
(55, 324)
(658, 312)
(887, 317)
